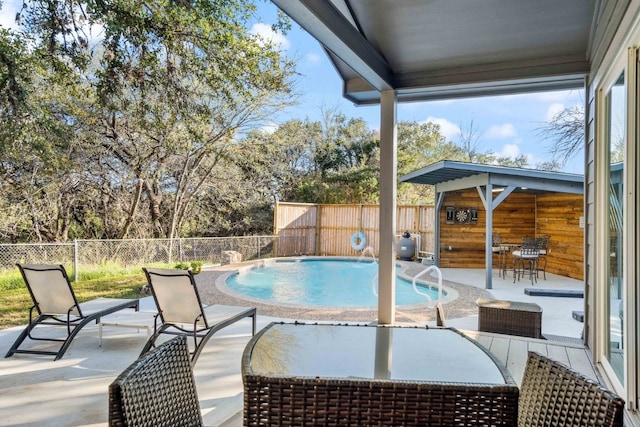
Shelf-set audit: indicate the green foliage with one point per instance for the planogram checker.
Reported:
(333, 161)
(121, 136)
(194, 266)
(11, 280)
(182, 266)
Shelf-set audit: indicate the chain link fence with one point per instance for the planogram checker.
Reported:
(137, 252)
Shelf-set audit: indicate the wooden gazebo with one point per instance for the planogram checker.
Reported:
(475, 201)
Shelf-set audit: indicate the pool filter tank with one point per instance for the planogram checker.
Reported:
(406, 247)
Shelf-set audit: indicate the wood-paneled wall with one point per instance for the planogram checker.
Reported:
(559, 215)
(519, 215)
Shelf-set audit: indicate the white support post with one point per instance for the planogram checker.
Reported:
(489, 236)
(388, 191)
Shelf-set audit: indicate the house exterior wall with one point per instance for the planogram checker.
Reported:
(616, 33)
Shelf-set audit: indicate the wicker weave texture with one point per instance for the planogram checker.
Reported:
(157, 390)
(555, 395)
(512, 319)
(327, 402)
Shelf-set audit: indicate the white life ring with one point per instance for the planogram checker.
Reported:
(358, 241)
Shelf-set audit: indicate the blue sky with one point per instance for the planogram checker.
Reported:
(505, 125)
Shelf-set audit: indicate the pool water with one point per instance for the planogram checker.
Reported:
(322, 283)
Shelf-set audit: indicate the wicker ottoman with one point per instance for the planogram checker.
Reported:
(510, 317)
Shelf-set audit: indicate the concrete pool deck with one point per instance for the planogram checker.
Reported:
(37, 391)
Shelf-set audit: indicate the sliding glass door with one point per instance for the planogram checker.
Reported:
(615, 107)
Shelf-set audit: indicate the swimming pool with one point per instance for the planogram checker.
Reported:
(321, 283)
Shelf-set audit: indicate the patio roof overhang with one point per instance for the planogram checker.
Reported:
(426, 50)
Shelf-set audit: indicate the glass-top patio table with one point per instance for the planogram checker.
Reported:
(321, 375)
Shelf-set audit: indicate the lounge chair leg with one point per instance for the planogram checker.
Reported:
(18, 342)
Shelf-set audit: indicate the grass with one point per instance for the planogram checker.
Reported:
(108, 281)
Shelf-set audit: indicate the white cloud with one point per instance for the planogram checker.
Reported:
(270, 127)
(506, 130)
(268, 36)
(552, 110)
(313, 58)
(510, 150)
(8, 13)
(448, 129)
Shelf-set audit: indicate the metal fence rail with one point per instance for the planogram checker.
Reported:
(134, 252)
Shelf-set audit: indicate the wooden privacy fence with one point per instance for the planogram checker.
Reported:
(327, 229)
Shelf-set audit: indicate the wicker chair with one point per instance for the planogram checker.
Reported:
(552, 394)
(158, 389)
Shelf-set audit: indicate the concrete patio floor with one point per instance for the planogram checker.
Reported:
(36, 391)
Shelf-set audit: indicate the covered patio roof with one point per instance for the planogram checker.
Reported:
(436, 49)
(448, 175)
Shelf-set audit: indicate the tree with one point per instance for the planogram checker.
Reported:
(419, 145)
(347, 161)
(142, 118)
(469, 142)
(330, 161)
(278, 163)
(565, 130)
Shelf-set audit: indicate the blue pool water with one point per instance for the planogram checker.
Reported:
(322, 283)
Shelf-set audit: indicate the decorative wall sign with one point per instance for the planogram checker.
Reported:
(451, 214)
(474, 216)
(463, 215)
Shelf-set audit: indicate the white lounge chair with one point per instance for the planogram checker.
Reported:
(56, 305)
(180, 309)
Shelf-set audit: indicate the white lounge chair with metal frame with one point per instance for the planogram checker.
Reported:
(56, 305)
(180, 310)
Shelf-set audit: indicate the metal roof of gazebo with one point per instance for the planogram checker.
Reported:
(448, 175)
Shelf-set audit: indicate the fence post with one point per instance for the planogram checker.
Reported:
(75, 260)
(259, 256)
